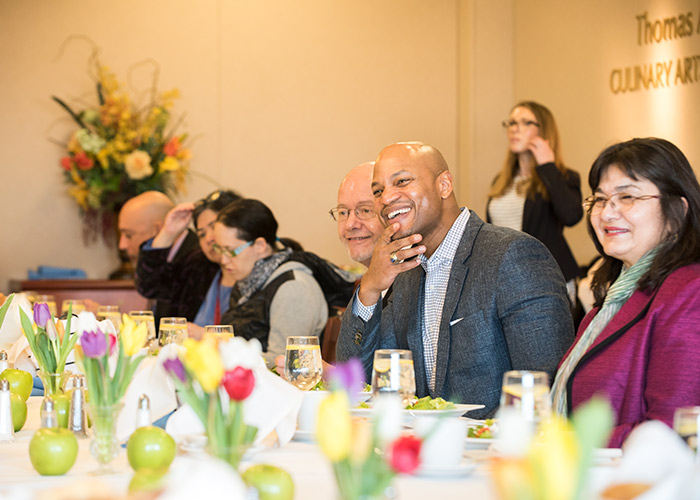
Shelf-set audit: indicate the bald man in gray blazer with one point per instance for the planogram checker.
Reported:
(469, 299)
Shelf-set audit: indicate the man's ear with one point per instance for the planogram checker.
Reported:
(445, 184)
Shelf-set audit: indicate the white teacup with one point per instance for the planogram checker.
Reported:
(443, 441)
(308, 413)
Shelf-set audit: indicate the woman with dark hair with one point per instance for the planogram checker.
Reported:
(274, 296)
(197, 287)
(534, 192)
(640, 345)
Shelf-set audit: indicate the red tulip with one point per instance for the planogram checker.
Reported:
(239, 383)
(405, 452)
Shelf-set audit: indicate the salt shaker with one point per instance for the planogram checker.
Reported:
(4, 365)
(143, 412)
(49, 417)
(77, 418)
(7, 428)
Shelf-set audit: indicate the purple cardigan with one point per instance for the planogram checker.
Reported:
(646, 363)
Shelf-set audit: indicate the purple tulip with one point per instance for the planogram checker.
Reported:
(349, 376)
(94, 344)
(42, 314)
(175, 368)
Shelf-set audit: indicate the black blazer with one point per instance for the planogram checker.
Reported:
(545, 220)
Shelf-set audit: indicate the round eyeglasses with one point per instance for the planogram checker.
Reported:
(341, 214)
(621, 202)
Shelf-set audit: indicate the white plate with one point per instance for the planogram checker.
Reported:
(477, 443)
(300, 435)
(455, 412)
(446, 472)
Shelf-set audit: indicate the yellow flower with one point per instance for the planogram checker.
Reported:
(133, 336)
(169, 164)
(334, 428)
(202, 359)
(555, 459)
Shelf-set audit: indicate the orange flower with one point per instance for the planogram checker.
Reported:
(172, 147)
(83, 161)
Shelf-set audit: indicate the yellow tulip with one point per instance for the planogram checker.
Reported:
(334, 428)
(133, 336)
(554, 457)
(203, 360)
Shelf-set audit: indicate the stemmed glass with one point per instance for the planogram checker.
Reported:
(528, 393)
(111, 313)
(78, 306)
(222, 332)
(686, 422)
(145, 317)
(392, 372)
(302, 365)
(172, 331)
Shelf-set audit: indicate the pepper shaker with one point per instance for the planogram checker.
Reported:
(77, 418)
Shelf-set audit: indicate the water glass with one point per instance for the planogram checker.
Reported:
(685, 423)
(528, 393)
(145, 317)
(172, 331)
(78, 306)
(302, 364)
(111, 313)
(392, 372)
(221, 332)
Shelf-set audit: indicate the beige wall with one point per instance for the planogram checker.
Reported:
(283, 96)
(565, 52)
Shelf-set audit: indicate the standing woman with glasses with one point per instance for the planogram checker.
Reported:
(534, 192)
(196, 287)
(274, 297)
(640, 345)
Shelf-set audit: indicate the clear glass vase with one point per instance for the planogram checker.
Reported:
(53, 382)
(103, 443)
(230, 454)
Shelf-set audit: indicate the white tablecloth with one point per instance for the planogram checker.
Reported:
(312, 474)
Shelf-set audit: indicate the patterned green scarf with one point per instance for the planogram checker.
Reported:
(621, 290)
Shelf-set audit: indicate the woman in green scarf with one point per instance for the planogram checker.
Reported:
(640, 345)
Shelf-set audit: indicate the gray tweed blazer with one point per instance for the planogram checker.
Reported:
(506, 309)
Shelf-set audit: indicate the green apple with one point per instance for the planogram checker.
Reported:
(62, 405)
(150, 447)
(147, 479)
(53, 451)
(271, 482)
(19, 411)
(21, 382)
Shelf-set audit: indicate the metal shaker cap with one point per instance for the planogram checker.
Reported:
(144, 402)
(78, 381)
(3, 356)
(4, 385)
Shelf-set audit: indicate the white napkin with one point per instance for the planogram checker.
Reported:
(11, 329)
(654, 454)
(152, 380)
(273, 405)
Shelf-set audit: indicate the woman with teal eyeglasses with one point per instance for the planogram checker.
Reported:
(274, 296)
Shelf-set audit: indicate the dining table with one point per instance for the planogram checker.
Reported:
(301, 458)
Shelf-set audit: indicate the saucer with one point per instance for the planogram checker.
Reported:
(460, 470)
(300, 435)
